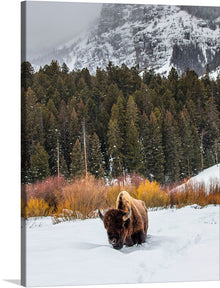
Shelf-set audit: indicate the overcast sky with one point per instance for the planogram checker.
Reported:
(52, 23)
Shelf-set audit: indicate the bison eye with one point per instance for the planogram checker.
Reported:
(112, 235)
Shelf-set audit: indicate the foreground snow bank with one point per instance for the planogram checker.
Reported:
(182, 245)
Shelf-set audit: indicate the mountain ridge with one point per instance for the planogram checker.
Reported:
(150, 36)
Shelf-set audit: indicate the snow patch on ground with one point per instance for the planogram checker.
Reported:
(208, 177)
(182, 245)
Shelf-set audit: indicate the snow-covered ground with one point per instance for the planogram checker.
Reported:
(208, 177)
(182, 245)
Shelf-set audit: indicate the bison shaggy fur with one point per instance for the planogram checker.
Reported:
(126, 224)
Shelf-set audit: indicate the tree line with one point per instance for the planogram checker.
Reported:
(164, 128)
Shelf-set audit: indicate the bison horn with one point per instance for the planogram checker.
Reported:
(100, 214)
(128, 215)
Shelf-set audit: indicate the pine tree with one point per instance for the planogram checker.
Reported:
(148, 76)
(141, 97)
(74, 127)
(167, 100)
(52, 134)
(95, 163)
(52, 108)
(132, 113)
(218, 92)
(124, 80)
(187, 148)
(116, 132)
(64, 132)
(114, 148)
(111, 97)
(82, 112)
(196, 160)
(190, 155)
(64, 68)
(133, 157)
(39, 163)
(56, 98)
(153, 149)
(135, 79)
(171, 148)
(29, 111)
(93, 110)
(52, 70)
(63, 167)
(31, 129)
(173, 81)
(77, 166)
(61, 88)
(118, 114)
(27, 75)
(87, 77)
(101, 80)
(85, 95)
(111, 72)
(133, 147)
(211, 140)
(51, 92)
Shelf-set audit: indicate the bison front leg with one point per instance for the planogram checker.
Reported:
(139, 237)
(129, 242)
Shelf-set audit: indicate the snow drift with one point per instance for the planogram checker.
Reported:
(208, 177)
(182, 245)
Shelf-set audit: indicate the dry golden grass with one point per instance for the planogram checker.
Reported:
(152, 194)
(37, 207)
(195, 194)
(82, 197)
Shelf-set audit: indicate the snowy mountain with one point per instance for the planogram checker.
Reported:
(152, 36)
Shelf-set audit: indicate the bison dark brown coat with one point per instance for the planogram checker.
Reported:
(128, 223)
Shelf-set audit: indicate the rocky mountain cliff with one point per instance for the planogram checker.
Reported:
(151, 36)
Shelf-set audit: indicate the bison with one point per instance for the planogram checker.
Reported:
(128, 223)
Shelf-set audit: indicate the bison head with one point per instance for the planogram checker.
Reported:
(116, 223)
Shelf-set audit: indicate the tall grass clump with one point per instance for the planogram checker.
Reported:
(37, 207)
(83, 197)
(195, 193)
(47, 190)
(152, 194)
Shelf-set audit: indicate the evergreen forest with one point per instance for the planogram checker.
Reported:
(117, 122)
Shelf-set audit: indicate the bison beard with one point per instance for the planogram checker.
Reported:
(128, 223)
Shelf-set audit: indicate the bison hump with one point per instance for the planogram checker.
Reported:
(123, 201)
